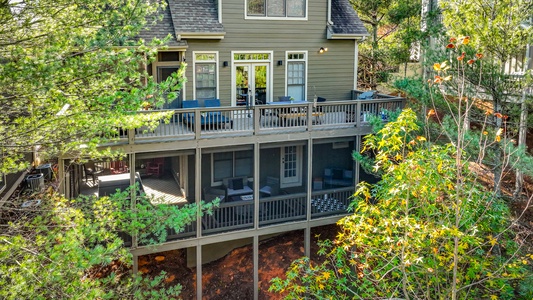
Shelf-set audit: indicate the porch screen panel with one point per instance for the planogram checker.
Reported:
(244, 163)
(222, 165)
(296, 80)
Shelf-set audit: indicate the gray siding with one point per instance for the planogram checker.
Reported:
(332, 73)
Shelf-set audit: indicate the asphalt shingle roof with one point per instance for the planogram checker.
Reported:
(345, 19)
(199, 16)
(161, 28)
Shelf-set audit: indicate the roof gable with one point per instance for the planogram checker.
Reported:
(346, 22)
(160, 28)
(195, 16)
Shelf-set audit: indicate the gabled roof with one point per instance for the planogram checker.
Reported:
(198, 17)
(161, 28)
(346, 23)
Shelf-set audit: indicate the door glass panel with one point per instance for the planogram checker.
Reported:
(241, 81)
(260, 84)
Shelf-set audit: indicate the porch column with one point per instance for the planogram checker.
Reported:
(358, 149)
(256, 266)
(61, 176)
(307, 231)
(133, 196)
(197, 198)
(256, 214)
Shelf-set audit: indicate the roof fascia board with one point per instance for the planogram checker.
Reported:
(200, 35)
(332, 36)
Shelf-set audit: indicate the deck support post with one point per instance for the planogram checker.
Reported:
(256, 267)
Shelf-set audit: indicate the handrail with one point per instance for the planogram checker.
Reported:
(199, 123)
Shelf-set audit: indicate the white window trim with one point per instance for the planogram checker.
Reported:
(287, 68)
(266, 61)
(156, 63)
(246, 17)
(194, 70)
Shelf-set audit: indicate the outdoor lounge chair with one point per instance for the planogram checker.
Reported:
(209, 120)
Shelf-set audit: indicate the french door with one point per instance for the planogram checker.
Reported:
(291, 166)
(251, 83)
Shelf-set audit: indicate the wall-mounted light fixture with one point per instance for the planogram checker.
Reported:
(322, 50)
(225, 63)
(280, 63)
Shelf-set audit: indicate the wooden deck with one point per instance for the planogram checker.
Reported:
(263, 120)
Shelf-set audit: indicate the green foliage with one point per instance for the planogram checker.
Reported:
(427, 230)
(392, 34)
(64, 84)
(71, 249)
(496, 27)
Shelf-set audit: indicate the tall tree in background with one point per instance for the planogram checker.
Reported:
(70, 76)
(394, 27)
(64, 82)
(500, 30)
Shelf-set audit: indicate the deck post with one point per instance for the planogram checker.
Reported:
(307, 231)
(256, 266)
(199, 271)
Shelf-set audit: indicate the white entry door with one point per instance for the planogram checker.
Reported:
(291, 166)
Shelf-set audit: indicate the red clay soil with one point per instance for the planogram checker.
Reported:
(231, 277)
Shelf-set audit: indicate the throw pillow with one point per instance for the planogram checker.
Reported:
(237, 184)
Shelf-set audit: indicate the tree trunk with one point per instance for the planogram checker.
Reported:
(522, 134)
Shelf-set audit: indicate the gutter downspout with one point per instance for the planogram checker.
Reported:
(219, 9)
(329, 22)
(355, 64)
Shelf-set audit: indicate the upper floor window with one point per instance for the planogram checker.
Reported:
(205, 75)
(276, 8)
(296, 75)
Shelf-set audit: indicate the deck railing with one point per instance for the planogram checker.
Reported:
(278, 209)
(212, 122)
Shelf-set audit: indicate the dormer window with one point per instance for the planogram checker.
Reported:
(276, 9)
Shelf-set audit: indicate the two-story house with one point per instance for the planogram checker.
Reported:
(267, 122)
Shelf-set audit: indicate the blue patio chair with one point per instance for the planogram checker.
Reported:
(211, 119)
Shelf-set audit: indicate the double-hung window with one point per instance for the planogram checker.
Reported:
(296, 75)
(276, 8)
(205, 75)
(232, 164)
